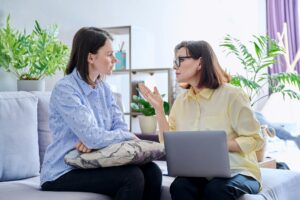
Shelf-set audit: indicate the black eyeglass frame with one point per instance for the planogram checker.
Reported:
(177, 61)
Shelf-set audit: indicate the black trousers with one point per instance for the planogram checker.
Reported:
(129, 182)
(214, 189)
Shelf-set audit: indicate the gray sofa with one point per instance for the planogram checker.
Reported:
(24, 136)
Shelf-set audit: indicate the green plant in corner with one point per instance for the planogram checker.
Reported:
(32, 56)
(256, 63)
(140, 105)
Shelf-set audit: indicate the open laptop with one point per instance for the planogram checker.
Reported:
(197, 153)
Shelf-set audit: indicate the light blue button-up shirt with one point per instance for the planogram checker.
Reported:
(80, 113)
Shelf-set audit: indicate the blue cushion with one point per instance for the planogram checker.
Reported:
(45, 136)
(19, 153)
(280, 132)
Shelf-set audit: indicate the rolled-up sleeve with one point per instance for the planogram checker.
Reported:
(78, 117)
(171, 122)
(245, 124)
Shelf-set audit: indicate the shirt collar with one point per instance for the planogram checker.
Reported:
(205, 93)
(86, 88)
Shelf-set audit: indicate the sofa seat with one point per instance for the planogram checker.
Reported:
(29, 189)
(277, 185)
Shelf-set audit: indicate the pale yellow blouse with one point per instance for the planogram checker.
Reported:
(226, 108)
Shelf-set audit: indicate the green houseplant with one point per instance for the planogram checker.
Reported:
(140, 105)
(148, 119)
(255, 63)
(32, 56)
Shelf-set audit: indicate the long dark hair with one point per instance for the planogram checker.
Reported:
(211, 74)
(86, 40)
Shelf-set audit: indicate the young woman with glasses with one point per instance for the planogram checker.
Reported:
(84, 115)
(210, 102)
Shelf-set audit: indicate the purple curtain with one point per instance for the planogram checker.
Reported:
(278, 12)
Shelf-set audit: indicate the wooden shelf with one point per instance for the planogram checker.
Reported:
(121, 71)
(149, 70)
(138, 57)
(118, 30)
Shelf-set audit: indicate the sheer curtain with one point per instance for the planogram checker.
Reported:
(278, 110)
(278, 12)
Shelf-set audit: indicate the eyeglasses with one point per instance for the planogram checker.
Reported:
(177, 61)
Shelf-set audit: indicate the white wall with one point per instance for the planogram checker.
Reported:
(170, 21)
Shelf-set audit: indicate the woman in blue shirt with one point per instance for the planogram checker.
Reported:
(84, 115)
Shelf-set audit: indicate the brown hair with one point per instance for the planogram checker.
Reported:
(86, 40)
(211, 74)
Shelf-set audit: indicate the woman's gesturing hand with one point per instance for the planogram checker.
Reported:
(154, 98)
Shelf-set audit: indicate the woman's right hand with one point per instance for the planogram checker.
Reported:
(154, 98)
(82, 148)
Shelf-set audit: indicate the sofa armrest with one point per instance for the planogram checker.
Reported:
(151, 137)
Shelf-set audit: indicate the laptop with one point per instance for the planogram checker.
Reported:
(197, 153)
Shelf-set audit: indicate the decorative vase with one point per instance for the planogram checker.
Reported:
(121, 57)
(266, 132)
(148, 124)
(31, 85)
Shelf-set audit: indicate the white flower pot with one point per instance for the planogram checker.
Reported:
(31, 85)
(148, 124)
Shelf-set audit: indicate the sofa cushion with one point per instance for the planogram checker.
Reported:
(128, 152)
(280, 131)
(44, 135)
(19, 153)
(29, 189)
(276, 184)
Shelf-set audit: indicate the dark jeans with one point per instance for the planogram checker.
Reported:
(214, 189)
(129, 182)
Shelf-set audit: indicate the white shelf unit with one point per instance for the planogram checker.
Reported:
(139, 50)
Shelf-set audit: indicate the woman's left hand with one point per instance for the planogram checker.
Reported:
(82, 148)
(233, 146)
(135, 137)
(154, 98)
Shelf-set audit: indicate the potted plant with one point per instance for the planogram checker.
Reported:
(148, 119)
(255, 65)
(32, 57)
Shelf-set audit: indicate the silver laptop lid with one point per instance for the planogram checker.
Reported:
(197, 153)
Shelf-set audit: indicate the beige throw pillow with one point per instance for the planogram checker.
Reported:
(127, 152)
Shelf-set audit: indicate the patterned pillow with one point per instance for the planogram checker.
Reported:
(127, 152)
